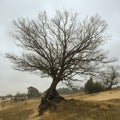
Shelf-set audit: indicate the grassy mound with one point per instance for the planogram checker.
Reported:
(84, 110)
(100, 106)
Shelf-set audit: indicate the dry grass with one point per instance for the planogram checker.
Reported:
(18, 110)
(107, 95)
(101, 106)
(84, 110)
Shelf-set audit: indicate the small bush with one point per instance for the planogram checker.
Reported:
(93, 87)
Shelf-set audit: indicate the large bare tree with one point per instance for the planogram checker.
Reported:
(110, 77)
(60, 47)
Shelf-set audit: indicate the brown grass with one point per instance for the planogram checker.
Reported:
(107, 95)
(84, 110)
(101, 106)
(18, 110)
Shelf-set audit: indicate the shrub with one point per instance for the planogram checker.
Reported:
(93, 87)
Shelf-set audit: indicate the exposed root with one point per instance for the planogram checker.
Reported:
(49, 101)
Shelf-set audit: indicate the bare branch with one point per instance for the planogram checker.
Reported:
(61, 47)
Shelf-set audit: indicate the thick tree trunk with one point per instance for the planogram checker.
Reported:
(50, 98)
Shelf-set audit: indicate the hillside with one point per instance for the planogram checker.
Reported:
(100, 106)
(107, 95)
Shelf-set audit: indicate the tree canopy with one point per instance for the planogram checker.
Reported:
(33, 92)
(60, 47)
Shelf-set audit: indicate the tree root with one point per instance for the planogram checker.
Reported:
(49, 101)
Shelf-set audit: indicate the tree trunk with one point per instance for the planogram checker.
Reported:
(50, 98)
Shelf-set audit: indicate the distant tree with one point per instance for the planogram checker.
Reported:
(99, 87)
(60, 47)
(69, 90)
(93, 87)
(64, 91)
(110, 77)
(33, 92)
(89, 86)
(9, 96)
(19, 97)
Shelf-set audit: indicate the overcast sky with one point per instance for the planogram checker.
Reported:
(12, 81)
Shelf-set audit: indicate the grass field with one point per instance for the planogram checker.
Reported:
(101, 106)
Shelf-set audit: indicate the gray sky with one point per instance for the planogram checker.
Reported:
(12, 81)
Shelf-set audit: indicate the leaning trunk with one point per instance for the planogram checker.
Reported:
(50, 98)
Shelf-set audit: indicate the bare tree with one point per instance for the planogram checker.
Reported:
(110, 76)
(60, 47)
